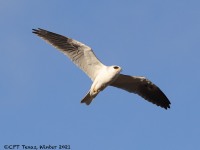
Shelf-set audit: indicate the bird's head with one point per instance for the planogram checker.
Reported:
(117, 69)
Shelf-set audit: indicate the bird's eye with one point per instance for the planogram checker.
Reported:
(116, 67)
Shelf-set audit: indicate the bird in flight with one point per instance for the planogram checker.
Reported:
(102, 75)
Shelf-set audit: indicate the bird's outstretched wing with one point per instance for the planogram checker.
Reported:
(81, 54)
(143, 87)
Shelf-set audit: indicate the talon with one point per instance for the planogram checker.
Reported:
(96, 91)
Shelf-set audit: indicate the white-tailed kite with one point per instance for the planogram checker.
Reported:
(101, 75)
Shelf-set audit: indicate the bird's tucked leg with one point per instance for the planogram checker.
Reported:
(95, 91)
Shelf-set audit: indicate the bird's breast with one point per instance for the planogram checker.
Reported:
(103, 79)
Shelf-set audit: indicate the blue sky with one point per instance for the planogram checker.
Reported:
(41, 89)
